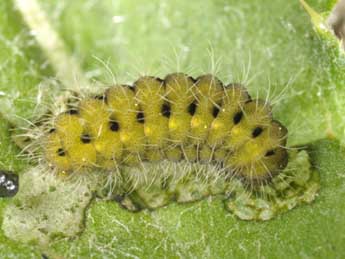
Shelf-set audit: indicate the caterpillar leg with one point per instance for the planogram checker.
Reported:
(296, 185)
(170, 182)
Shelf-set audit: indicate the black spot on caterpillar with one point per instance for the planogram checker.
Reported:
(237, 117)
(215, 111)
(166, 110)
(85, 138)
(61, 152)
(140, 117)
(177, 118)
(114, 126)
(72, 112)
(256, 132)
(192, 108)
(9, 184)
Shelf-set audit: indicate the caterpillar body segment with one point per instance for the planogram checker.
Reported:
(76, 148)
(150, 93)
(102, 129)
(55, 153)
(179, 92)
(129, 119)
(208, 93)
(233, 99)
(178, 118)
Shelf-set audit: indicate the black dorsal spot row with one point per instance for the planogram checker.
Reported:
(165, 110)
(257, 131)
(114, 126)
(192, 108)
(52, 130)
(215, 111)
(140, 117)
(270, 153)
(85, 138)
(60, 152)
(238, 117)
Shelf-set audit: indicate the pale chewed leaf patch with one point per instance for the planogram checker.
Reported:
(46, 207)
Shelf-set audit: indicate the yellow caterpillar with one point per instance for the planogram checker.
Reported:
(178, 118)
(174, 140)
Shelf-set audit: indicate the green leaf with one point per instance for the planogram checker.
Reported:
(269, 45)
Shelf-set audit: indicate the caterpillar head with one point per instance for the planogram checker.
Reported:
(263, 155)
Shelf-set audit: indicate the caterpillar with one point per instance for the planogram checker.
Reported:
(176, 139)
(178, 118)
(181, 139)
(155, 142)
